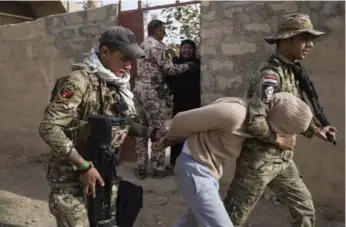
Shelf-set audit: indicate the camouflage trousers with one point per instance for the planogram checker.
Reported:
(251, 178)
(150, 109)
(69, 206)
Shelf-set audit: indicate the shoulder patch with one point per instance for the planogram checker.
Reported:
(268, 93)
(270, 80)
(66, 91)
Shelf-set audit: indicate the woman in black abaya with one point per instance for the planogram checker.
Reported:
(186, 88)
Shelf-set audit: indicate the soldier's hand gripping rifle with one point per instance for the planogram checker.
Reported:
(100, 153)
(308, 87)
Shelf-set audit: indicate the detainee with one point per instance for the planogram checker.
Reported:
(214, 133)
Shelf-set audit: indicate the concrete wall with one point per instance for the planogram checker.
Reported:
(33, 55)
(45, 8)
(233, 48)
(18, 12)
(10, 20)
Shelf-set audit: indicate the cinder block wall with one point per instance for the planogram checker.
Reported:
(233, 48)
(33, 55)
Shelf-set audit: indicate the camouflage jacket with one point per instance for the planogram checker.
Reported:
(64, 126)
(273, 77)
(156, 63)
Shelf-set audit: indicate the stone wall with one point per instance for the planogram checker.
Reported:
(13, 12)
(10, 20)
(233, 48)
(33, 55)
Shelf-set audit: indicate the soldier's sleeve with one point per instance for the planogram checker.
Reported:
(166, 64)
(310, 132)
(60, 111)
(258, 106)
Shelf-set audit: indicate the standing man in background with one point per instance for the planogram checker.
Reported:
(149, 94)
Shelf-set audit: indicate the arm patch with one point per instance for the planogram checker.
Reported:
(270, 80)
(66, 92)
(267, 93)
(269, 84)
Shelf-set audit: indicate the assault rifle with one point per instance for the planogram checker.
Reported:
(103, 157)
(308, 87)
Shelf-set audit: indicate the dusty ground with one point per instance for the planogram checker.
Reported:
(24, 191)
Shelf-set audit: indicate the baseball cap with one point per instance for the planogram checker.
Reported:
(124, 39)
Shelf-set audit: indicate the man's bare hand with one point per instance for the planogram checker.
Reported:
(160, 144)
(171, 52)
(157, 134)
(160, 133)
(89, 179)
(323, 131)
(286, 142)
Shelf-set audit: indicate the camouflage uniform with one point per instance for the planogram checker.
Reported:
(261, 163)
(149, 97)
(64, 128)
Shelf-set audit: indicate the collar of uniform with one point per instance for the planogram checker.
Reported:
(153, 39)
(283, 57)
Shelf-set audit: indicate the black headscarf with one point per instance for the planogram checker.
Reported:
(180, 59)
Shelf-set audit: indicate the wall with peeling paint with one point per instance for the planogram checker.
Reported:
(233, 48)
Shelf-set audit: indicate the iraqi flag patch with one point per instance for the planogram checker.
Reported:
(270, 80)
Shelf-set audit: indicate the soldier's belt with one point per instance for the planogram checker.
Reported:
(280, 156)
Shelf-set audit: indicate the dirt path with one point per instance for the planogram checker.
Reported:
(24, 191)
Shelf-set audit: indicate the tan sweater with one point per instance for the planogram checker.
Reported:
(217, 131)
(210, 131)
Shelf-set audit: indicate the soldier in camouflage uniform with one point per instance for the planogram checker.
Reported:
(263, 162)
(149, 94)
(98, 85)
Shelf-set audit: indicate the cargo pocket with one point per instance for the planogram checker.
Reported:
(262, 167)
(53, 204)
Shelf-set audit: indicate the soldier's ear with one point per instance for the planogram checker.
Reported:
(104, 51)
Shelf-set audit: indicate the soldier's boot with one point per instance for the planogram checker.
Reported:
(141, 173)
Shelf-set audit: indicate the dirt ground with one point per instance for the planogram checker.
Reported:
(24, 192)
